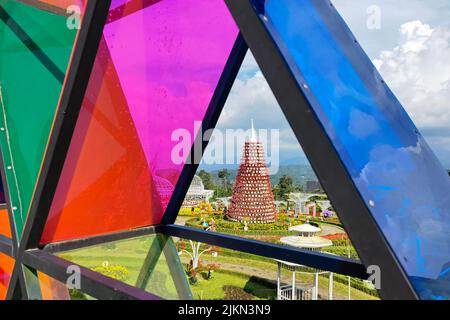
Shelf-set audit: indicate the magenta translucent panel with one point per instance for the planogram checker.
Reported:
(157, 68)
(118, 3)
(169, 57)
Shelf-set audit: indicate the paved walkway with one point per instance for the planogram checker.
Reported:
(330, 229)
(269, 275)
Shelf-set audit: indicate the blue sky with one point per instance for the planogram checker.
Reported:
(412, 52)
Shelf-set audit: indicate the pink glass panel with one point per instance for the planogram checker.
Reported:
(171, 76)
(156, 72)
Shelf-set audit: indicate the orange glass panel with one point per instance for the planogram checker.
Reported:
(63, 3)
(106, 185)
(5, 229)
(52, 289)
(6, 268)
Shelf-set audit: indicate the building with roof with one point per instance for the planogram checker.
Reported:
(197, 194)
(307, 239)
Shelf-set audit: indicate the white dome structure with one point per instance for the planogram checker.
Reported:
(164, 189)
(196, 193)
(309, 243)
(197, 186)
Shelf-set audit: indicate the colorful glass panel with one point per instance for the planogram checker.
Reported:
(403, 183)
(120, 168)
(150, 262)
(6, 268)
(36, 46)
(5, 229)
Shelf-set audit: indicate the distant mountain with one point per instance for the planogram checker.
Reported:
(284, 160)
(299, 160)
(299, 173)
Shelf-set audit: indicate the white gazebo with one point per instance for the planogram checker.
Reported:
(309, 240)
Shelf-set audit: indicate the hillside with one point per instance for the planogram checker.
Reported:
(299, 173)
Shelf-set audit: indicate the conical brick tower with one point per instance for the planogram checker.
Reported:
(252, 199)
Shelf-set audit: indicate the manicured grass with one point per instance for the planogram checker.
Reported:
(132, 253)
(213, 289)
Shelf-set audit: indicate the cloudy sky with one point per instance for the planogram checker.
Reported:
(411, 49)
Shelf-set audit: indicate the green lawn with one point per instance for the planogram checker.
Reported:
(213, 289)
(131, 254)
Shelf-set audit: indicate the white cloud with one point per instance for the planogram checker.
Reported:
(252, 98)
(393, 14)
(418, 71)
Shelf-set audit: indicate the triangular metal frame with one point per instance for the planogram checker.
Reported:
(363, 231)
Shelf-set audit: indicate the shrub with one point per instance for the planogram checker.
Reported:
(236, 293)
(77, 295)
(109, 246)
(192, 274)
(113, 271)
(342, 251)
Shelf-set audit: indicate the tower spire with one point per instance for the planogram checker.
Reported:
(252, 200)
(253, 137)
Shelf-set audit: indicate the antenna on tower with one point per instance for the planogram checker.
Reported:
(253, 137)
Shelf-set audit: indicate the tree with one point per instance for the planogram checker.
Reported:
(276, 192)
(207, 179)
(285, 186)
(224, 174)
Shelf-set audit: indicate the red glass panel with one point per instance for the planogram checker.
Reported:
(106, 184)
(63, 3)
(6, 268)
(5, 229)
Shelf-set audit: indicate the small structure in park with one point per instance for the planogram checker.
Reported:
(197, 194)
(252, 200)
(307, 239)
(164, 188)
(305, 205)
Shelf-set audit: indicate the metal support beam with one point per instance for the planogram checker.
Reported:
(213, 112)
(92, 283)
(6, 246)
(312, 259)
(336, 180)
(76, 82)
(92, 241)
(66, 118)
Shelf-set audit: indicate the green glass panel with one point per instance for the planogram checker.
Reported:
(41, 286)
(48, 30)
(175, 268)
(151, 263)
(35, 50)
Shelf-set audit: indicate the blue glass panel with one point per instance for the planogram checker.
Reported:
(403, 183)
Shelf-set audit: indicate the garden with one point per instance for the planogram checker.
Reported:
(235, 275)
